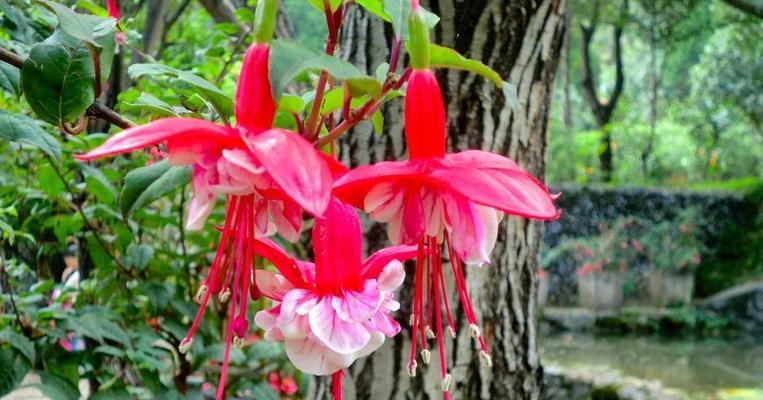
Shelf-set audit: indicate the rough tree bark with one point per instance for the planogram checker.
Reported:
(522, 41)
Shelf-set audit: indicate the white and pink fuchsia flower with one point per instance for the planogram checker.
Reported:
(336, 310)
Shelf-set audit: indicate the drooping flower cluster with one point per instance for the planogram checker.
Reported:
(442, 209)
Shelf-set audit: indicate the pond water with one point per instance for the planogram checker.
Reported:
(701, 367)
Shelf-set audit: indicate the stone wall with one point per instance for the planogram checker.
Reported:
(728, 217)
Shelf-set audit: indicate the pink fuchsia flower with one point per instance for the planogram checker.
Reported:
(113, 9)
(435, 197)
(267, 175)
(337, 309)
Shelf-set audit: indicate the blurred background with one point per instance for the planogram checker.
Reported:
(651, 280)
(651, 284)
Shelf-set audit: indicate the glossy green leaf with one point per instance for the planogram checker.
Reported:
(221, 101)
(87, 28)
(22, 129)
(378, 121)
(49, 181)
(375, 7)
(18, 342)
(58, 79)
(398, 11)
(157, 107)
(448, 58)
(138, 256)
(146, 184)
(14, 367)
(98, 184)
(289, 59)
(291, 103)
(10, 79)
(56, 387)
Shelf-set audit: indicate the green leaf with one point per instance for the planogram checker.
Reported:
(449, 58)
(10, 79)
(147, 101)
(112, 393)
(146, 184)
(18, 342)
(221, 102)
(263, 391)
(138, 256)
(291, 103)
(97, 325)
(289, 59)
(56, 387)
(378, 120)
(398, 11)
(375, 7)
(14, 367)
(22, 129)
(318, 4)
(87, 28)
(49, 181)
(58, 79)
(97, 184)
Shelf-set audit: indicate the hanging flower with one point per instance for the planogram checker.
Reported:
(435, 197)
(267, 175)
(337, 309)
(113, 10)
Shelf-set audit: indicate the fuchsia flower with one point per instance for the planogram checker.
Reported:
(434, 197)
(113, 9)
(338, 309)
(268, 176)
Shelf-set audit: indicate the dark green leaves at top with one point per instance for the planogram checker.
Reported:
(22, 129)
(10, 79)
(18, 342)
(289, 59)
(449, 58)
(146, 184)
(397, 12)
(58, 78)
(221, 102)
(88, 28)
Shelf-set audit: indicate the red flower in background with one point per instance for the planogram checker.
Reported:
(268, 176)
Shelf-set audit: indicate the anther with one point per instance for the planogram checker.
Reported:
(430, 333)
(474, 330)
(452, 332)
(446, 382)
(202, 291)
(485, 359)
(238, 342)
(185, 345)
(426, 356)
(224, 296)
(412, 369)
(411, 319)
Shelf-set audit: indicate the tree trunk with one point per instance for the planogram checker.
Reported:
(522, 41)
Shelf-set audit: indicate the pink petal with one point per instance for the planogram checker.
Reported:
(467, 230)
(181, 134)
(358, 306)
(344, 337)
(203, 201)
(295, 166)
(271, 285)
(377, 340)
(355, 185)
(313, 358)
(497, 182)
(287, 217)
(376, 263)
(382, 322)
(392, 276)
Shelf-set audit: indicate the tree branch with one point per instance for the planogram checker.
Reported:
(754, 7)
(96, 110)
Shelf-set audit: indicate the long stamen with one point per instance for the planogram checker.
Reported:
(415, 313)
(229, 339)
(446, 378)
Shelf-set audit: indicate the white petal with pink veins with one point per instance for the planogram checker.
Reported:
(358, 306)
(312, 358)
(273, 286)
(377, 340)
(491, 218)
(342, 336)
(392, 276)
(434, 216)
(382, 322)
